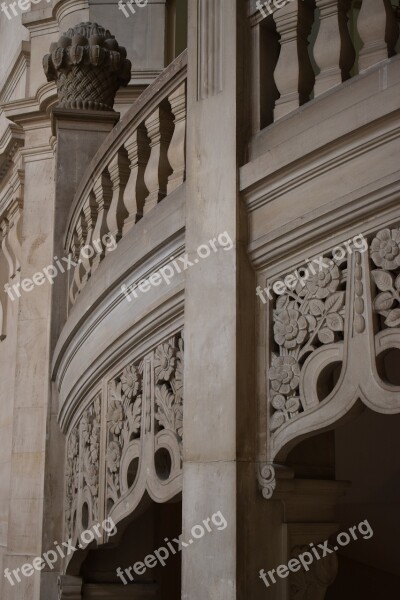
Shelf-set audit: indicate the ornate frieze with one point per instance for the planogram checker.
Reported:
(88, 66)
(329, 338)
(128, 441)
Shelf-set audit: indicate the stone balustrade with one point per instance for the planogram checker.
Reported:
(138, 165)
(306, 47)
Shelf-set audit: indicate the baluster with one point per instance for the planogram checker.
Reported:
(136, 191)
(333, 50)
(103, 194)
(81, 232)
(74, 252)
(293, 75)
(159, 129)
(119, 175)
(177, 148)
(90, 212)
(378, 30)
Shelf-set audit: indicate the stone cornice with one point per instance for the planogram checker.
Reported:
(31, 112)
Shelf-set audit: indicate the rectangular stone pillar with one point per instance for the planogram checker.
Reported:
(211, 310)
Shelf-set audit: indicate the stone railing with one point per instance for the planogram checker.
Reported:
(307, 47)
(138, 165)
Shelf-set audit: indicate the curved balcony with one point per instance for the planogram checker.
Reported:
(119, 359)
(139, 164)
(317, 188)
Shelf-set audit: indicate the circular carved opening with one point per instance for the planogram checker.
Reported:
(163, 463)
(388, 366)
(328, 379)
(132, 472)
(85, 515)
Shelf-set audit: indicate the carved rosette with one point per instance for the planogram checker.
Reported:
(385, 254)
(88, 67)
(128, 441)
(330, 336)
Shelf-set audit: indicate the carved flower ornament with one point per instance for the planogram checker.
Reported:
(113, 456)
(164, 362)
(385, 249)
(130, 382)
(115, 415)
(290, 328)
(286, 409)
(324, 282)
(284, 374)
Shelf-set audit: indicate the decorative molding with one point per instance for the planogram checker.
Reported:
(88, 67)
(210, 32)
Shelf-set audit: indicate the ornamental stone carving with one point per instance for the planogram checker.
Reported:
(331, 345)
(88, 67)
(127, 441)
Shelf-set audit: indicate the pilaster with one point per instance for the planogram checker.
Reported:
(211, 309)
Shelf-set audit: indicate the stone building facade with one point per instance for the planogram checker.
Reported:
(199, 299)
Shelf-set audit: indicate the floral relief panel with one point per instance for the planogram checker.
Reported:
(332, 340)
(145, 428)
(128, 442)
(82, 472)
